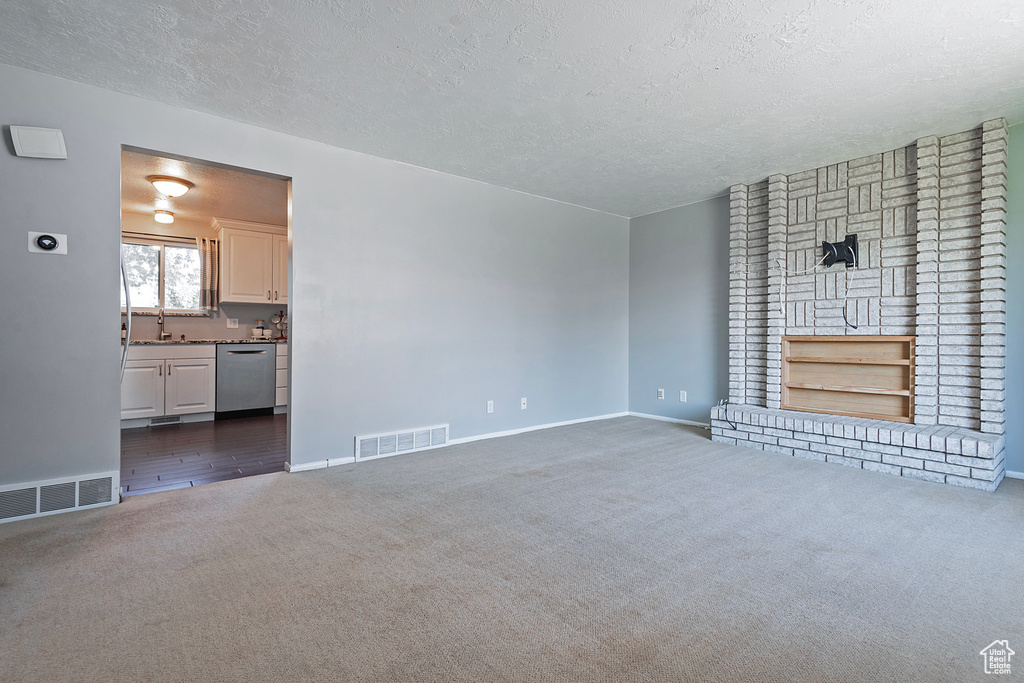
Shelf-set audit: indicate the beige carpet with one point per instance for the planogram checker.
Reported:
(624, 550)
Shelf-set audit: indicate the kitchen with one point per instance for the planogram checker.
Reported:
(205, 258)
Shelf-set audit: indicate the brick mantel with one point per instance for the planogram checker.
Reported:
(931, 225)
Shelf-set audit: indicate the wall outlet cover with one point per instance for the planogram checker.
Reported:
(682, 396)
(232, 323)
(661, 394)
(522, 403)
(490, 406)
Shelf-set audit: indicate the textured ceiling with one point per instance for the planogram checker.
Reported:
(624, 106)
(218, 192)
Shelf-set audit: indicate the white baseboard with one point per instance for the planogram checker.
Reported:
(137, 422)
(673, 420)
(534, 428)
(1014, 475)
(318, 464)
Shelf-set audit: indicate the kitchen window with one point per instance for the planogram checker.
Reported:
(162, 274)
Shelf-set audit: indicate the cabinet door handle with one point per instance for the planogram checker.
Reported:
(268, 295)
(161, 369)
(275, 295)
(168, 369)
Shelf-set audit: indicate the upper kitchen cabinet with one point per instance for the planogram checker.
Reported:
(253, 262)
(281, 268)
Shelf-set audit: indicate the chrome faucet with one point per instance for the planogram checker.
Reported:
(160, 321)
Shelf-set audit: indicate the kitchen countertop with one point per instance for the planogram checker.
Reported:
(147, 342)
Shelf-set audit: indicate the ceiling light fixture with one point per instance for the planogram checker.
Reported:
(170, 186)
(163, 216)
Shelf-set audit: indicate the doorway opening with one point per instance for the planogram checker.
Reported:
(205, 266)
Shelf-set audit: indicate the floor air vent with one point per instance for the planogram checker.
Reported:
(48, 497)
(395, 443)
(166, 420)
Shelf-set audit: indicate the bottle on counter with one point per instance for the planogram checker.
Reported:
(124, 331)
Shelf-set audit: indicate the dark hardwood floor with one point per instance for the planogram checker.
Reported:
(178, 456)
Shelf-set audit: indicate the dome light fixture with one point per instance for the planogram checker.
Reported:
(169, 186)
(163, 217)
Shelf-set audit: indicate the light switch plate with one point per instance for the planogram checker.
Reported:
(62, 243)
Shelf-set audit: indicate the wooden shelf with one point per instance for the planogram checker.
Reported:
(849, 361)
(859, 376)
(849, 389)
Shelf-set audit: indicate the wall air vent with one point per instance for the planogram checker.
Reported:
(405, 441)
(17, 503)
(57, 497)
(36, 499)
(94, 491)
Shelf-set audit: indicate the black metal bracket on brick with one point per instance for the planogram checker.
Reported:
(841, 252)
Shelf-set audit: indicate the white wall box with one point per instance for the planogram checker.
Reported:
(253, 262)
(165, 380)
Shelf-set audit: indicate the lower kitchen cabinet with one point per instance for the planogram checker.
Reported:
(160, 380)
(281, 388)
(190, 386)
(142, 389)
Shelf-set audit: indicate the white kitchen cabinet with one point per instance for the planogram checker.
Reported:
(281, 388)
(280, 269)
(142, 390)
(190, 386)
(253, 262)
(169, 379)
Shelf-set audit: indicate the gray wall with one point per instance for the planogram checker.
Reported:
(416, 296)
(678, 310)
(1015, 304)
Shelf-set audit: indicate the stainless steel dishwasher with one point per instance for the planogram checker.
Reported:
(245, 376)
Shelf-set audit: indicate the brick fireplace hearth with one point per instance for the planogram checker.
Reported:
(930, 220)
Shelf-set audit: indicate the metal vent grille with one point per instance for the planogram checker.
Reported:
(407, 441)
(165, 420)
(94, 491)
(57, 497)
(47, 497)
(367, 448)
(17, 503)
(388, 444)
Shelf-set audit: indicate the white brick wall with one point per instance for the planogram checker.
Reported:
(931, 226)
(992, 255)
(926, 382)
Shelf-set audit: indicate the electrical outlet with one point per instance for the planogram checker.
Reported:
(522, 403)
(661, 394)
(232, 323)
(682, 396)
(490, 406)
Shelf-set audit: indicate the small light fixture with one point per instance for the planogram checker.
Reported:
(169, 186)
(163, 216)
